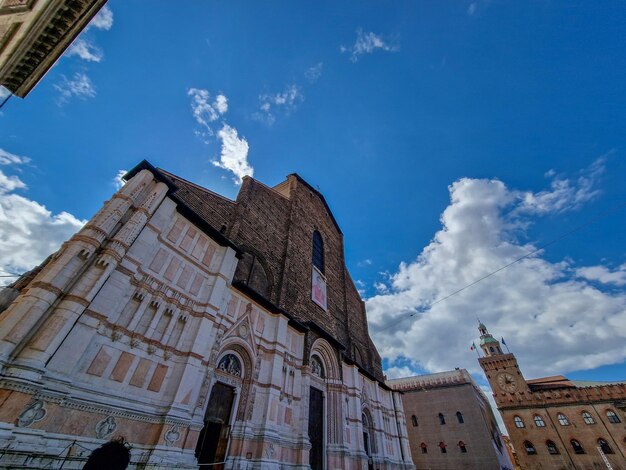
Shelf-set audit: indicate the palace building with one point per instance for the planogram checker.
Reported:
(450, 423)
(34, 34)
(202, 330)
(554, 422)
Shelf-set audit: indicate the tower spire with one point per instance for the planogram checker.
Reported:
(489, 345)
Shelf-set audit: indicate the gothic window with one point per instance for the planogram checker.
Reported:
(588, 418)
(414, 421)
(462, 447)
(317, 368)
(563, 421)
(539, 421)
(577, 447)
(442, 418)
(530, 448)
(606, 448)
(424, 448)
(613, 418)
(552, 449)
(251, 272)
(318, 251)
(459, 417)
(442, 446)
(230, 364)
(519, 422)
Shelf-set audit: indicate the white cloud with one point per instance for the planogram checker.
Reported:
(79, 86)
(4, 92)
(314, 73)
(103, 20)
(28, 231)
(118, 182)
(395, 372)
(604, 275)
(564, 193)
(203, 110)
(234, 155)
(471, 9)
(367, 43)
(552, 319)
(85, 50)
(284, 102)
(7, 158)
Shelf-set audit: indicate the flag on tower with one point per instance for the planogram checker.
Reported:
(472, 347)
(502, 340)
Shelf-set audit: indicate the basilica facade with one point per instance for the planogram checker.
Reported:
(203, 331)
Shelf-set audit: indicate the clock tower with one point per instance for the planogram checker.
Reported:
(501, 369)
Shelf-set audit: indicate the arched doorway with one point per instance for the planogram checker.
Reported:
(316, 415)
(368, 437)
(213, 439)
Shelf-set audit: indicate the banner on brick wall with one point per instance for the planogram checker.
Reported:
(318, 290)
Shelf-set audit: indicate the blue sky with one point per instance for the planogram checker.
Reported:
(449, 138)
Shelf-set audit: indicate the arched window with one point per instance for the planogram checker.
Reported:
(539, 421)
(318, 251)
(552, 449)
(442, 418)
(424, 448)
(519, 422)
(491, 349)
(442, 446)
(230, 364)
(578, 449)
(459, 417)
(563, 421)
(414, 421)
(613, 418)
(462, 447)
(606, 448)
(530, 448)
(588, 418)
(317, 368)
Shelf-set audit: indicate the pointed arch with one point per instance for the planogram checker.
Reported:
(328, 357)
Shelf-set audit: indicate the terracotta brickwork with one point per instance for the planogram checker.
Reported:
(129, 328)
(557, 423)
(447, 410)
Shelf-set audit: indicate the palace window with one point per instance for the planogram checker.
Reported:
(552, 449)
(442, 446)
(442, 418)
(578, 449)
(462, 447)
(563, 421)
(424, 448)
(606, 448)
(588, 418)
(519, 422)
(613, 418)
(459, 417)
(530, 448)
(318, 251)
(414, 421)
(539, 421)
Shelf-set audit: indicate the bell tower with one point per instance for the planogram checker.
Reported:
(501, 369)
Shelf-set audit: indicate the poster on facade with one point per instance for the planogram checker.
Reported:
(318, 290)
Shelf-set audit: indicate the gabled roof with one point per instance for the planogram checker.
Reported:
(318, 194)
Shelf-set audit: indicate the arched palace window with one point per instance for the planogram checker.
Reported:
(318, 251)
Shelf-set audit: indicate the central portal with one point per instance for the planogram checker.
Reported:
(213, 440)
(316, 429)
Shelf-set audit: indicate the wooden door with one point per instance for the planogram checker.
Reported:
(316, 429)
(213, 439)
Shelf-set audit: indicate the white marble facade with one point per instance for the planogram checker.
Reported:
(129, 326)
